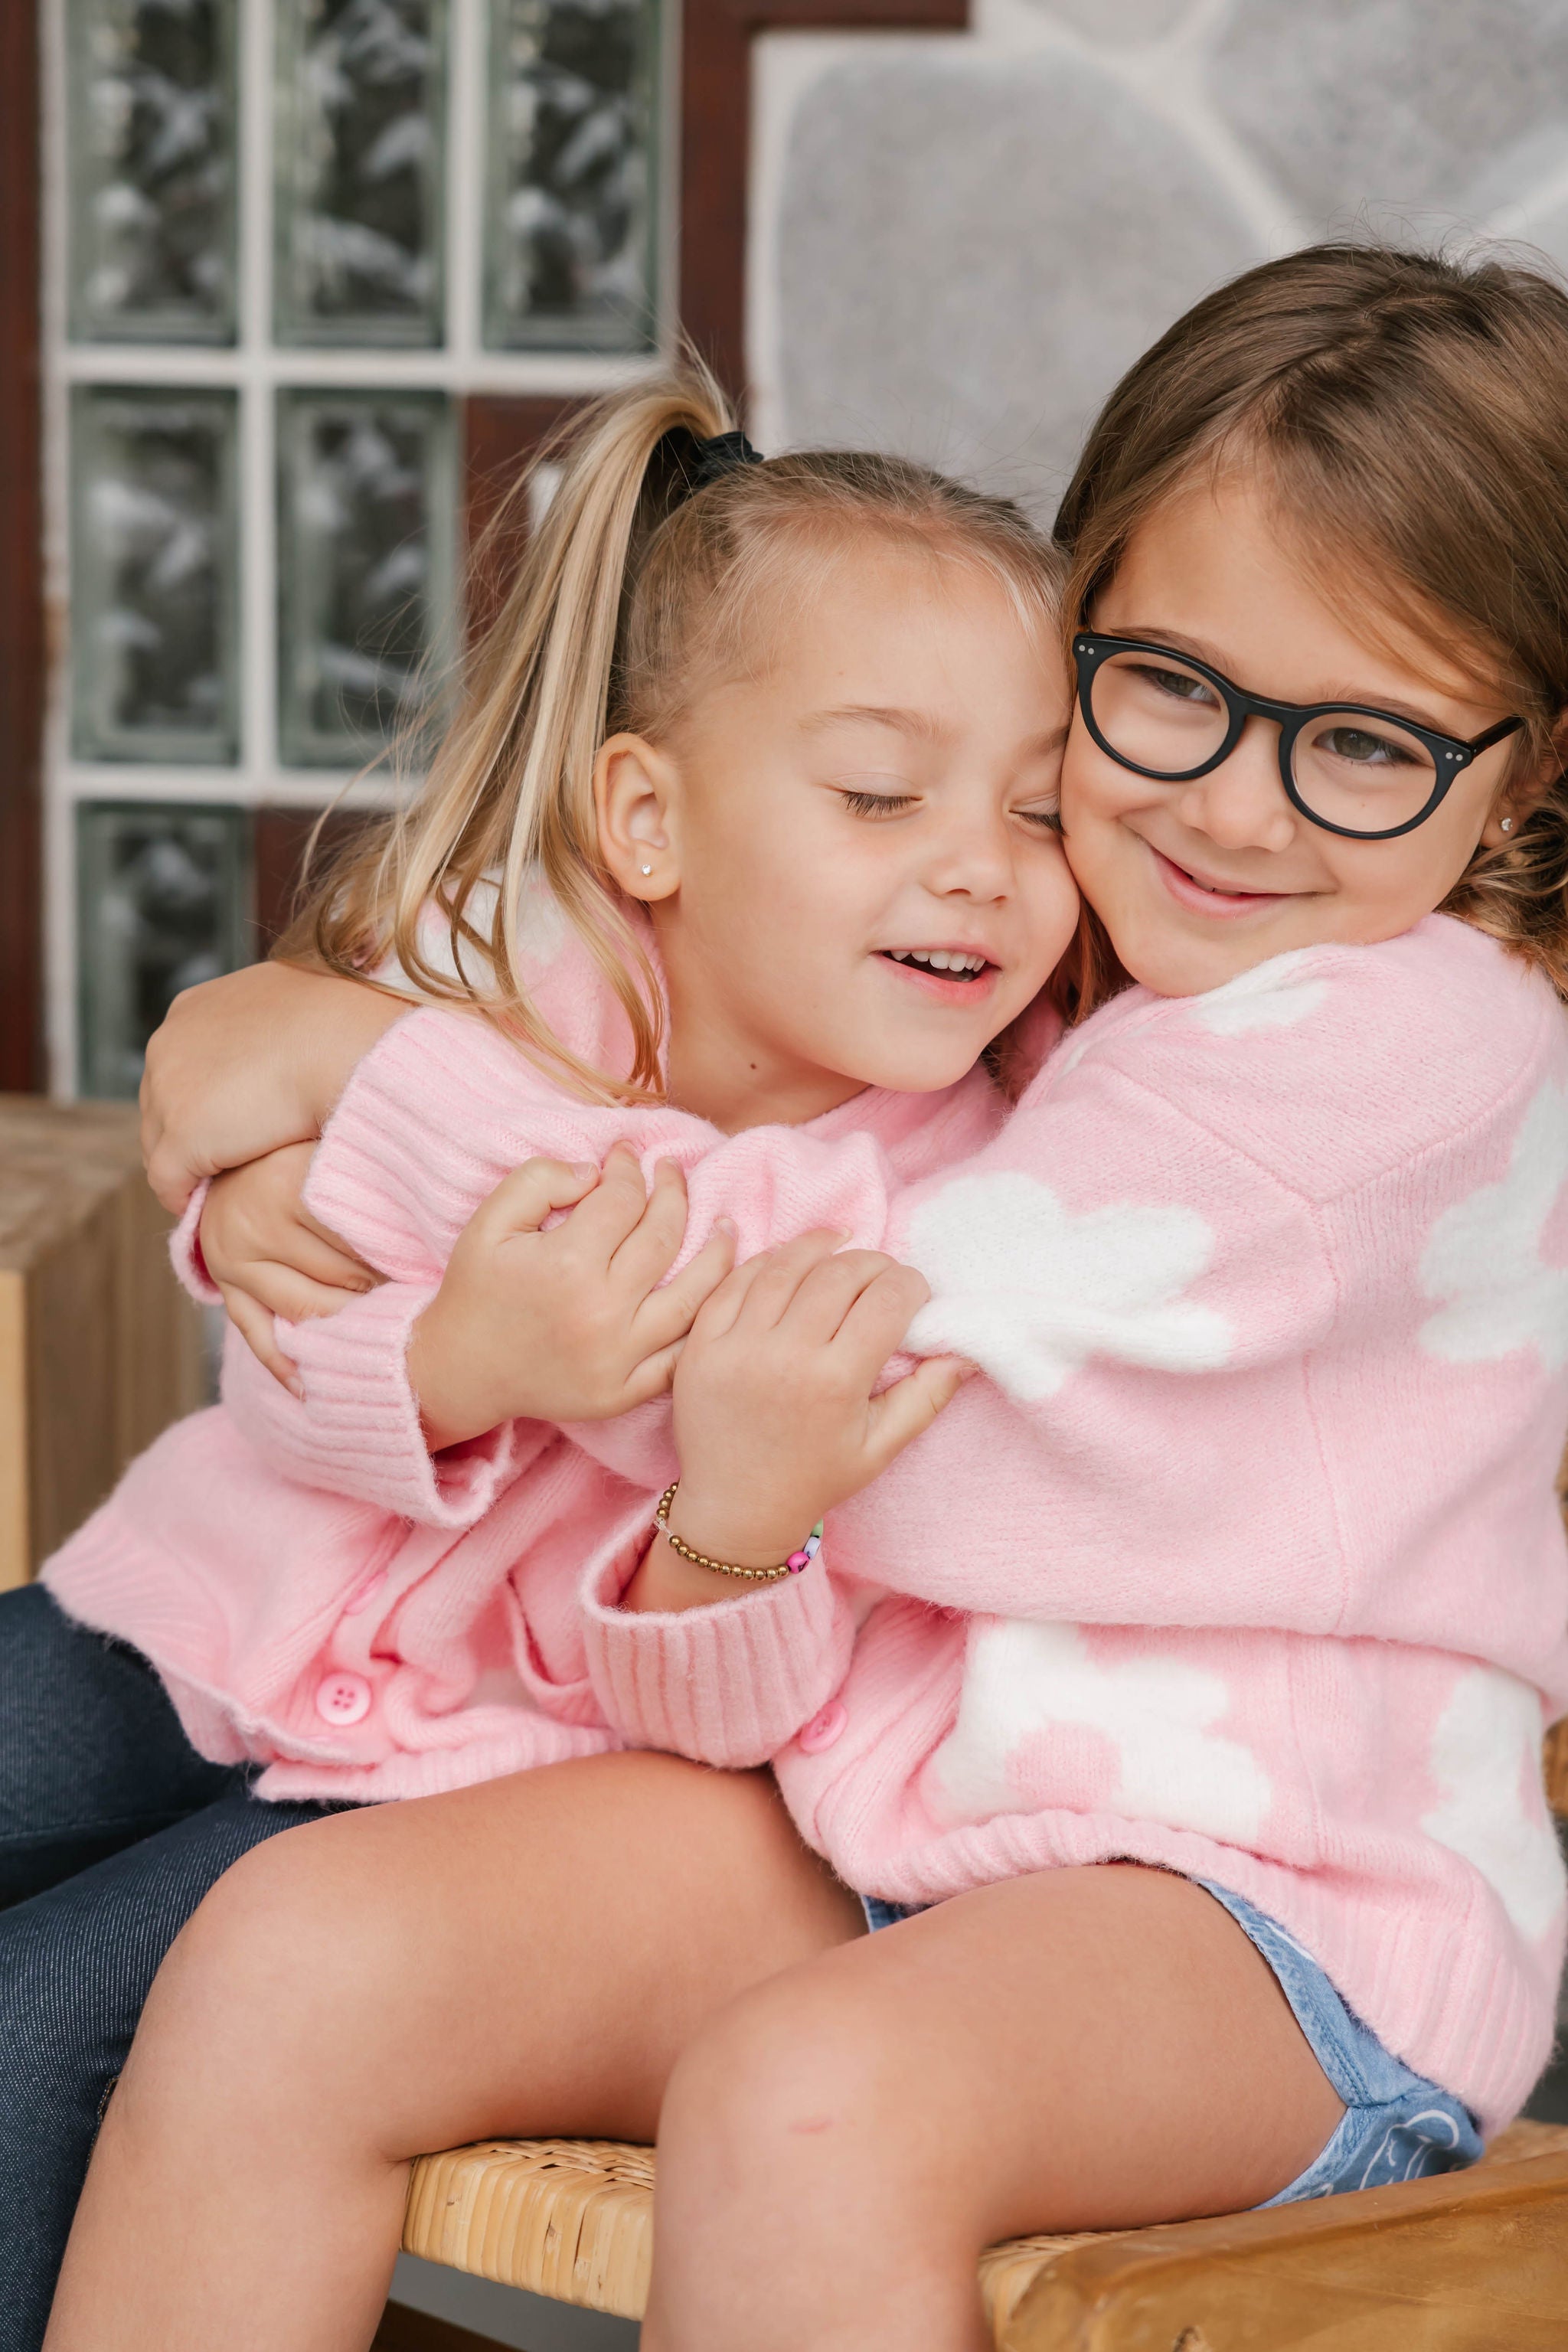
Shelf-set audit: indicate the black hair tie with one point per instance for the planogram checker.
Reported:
(720, 454)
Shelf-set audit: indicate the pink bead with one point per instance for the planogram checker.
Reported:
(797, 1560)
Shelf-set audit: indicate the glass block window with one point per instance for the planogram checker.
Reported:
(152, 167)
(360, 177)
(365, 581)
(152, 564)
(163, 892)
(302, 236)
(571, 252)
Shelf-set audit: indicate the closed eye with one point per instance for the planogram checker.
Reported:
(861, 802)
(1049, 820)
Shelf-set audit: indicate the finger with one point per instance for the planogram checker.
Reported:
(653, 1376)
(254, 1327)
(874, 1323)
(652, 1246)
(902, 1413)
(522, 1202)
(669, 1314)
(779, 1274)
(827, 1295)
(170, 1175)
(721, 1310)
(613, 1208)
(321, 1257)
(279, 1288)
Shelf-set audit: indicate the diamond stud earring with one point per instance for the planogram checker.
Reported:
(645, 869)
(1506, 826)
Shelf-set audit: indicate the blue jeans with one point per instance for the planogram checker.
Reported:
(111, 1830)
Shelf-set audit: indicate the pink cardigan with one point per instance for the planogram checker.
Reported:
(1260, 1578)
(1245, 1558)
(318, 1594)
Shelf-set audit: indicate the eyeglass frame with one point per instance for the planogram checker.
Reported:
(1089, 649)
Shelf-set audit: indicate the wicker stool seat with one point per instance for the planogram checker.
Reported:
(573, 2219)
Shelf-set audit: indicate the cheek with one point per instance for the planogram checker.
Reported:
(1053, 910)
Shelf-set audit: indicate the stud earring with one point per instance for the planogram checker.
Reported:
(645, 869)
(1508, 825)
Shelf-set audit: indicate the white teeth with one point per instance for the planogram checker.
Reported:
(938, 959)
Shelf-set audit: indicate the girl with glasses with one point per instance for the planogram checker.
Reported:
(1174, 1702)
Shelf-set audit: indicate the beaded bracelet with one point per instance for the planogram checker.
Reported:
(791, 1567)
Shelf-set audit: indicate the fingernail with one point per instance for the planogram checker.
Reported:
(583, 1168)
(725, 1225)
(297, 1388)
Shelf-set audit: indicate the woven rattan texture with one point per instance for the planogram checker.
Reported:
(573, 2219)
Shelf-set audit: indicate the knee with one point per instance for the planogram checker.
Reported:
(271, 1962)
(799, 2077)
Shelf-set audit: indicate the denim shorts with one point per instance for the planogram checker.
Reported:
(1396, 2125)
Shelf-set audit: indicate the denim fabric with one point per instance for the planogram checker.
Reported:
(111, 1830)
(1396, 2125)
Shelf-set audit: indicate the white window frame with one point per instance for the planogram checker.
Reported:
(256, 369)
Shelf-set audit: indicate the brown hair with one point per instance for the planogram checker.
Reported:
(642, 583)
(1410, 413)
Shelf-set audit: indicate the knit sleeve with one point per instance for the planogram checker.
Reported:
(185, 1250)
(356, 1430)
(730, 1684)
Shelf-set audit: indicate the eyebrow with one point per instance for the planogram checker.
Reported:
(870, 714)
(1180, 643)
(917, 723)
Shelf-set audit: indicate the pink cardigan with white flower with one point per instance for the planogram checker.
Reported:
(1243, 1558)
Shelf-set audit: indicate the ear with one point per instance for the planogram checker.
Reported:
(635, 787)
(1524, 791)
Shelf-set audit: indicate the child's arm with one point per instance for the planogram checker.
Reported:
(777, 1419)
(265, 1255)
(412, 1395)
(247, 1063)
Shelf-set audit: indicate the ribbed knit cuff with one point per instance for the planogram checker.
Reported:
(728, 1685)
(423, 1132)
(358, 1431)
(185, 1250)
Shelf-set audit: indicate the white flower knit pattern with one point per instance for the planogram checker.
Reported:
(1484, 1257)
(1023, 1679)
(1029, 1290)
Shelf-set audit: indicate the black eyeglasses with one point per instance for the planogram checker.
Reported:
(1353, 769)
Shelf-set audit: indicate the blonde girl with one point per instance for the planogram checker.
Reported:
(1243, 1563)
(704, 673)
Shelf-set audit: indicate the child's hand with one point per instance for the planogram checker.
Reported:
(268, 1256)
(568, 1324)
(774, 1418)
(249, 1062)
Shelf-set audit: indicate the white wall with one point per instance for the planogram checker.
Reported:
(959, 242)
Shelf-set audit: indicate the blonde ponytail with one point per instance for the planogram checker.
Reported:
(642, 577)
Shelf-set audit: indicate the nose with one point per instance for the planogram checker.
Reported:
(1242, 803)
(971, 856)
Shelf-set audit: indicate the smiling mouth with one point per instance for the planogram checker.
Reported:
(1214, 898)
(941, 964)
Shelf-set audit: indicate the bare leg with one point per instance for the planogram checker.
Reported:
(1076, 2049)
(528, 1956)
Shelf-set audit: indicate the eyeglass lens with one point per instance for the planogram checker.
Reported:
(1365, 774)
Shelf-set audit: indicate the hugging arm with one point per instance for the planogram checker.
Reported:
(777, 1419)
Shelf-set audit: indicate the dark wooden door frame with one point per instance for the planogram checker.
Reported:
(21, 558)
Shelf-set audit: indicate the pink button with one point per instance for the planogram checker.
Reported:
(364, 1592)
(342, 1698)
(825, 1727)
